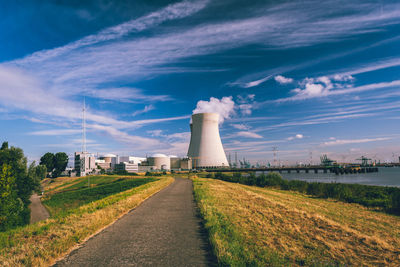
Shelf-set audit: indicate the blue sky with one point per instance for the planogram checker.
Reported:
(309, 77)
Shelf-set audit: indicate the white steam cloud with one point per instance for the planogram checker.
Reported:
(224, 107)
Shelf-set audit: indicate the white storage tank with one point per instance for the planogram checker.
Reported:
(160, 161)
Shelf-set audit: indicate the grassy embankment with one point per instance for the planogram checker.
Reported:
(256, 226)
(77, 212)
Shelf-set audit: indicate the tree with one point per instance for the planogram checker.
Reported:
(15, 159)
(60, 163)
(41, 171)
(48, 161)
(11, 206)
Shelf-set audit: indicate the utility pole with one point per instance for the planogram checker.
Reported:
(84, 126)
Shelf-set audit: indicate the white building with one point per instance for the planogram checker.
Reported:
(84, 163)
(131, 159)
(128, 167)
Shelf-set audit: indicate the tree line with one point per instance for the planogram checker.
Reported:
(383, 197)
(17, 183)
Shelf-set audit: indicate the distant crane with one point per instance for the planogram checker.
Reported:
(325, 161)
(275, 150)
(244, 164)
(364, 160)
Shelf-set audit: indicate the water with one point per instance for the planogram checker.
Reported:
(384, 177)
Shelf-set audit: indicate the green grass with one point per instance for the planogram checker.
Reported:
(42, 243)
(94, 181)
(253, 226)
(62, 203)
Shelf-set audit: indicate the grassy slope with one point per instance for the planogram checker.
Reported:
(79, 194)
(267, 227)
(40, 244)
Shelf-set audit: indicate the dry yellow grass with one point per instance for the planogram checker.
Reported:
(42, 243)
(297, 229)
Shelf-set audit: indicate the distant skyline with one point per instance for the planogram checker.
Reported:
(307, 77)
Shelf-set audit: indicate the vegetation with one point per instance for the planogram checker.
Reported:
(253, 226)
(11, 206)
(17, 184)
(76, 195)
(384, 198)
(40, 244)
(55, 163)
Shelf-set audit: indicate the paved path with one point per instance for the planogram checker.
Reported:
(163, 231)
(38, 211)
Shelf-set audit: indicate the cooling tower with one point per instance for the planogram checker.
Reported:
(205, 147)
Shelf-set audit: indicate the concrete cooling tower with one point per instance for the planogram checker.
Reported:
(205, 147)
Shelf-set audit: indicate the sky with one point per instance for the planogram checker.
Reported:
(306, 77)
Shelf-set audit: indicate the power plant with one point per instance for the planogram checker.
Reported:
(205, 148)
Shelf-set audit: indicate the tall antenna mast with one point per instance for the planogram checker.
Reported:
(84, 126)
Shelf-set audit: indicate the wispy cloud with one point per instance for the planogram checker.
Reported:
(144, 110)
(257, 82)
(354, 141)
(283, 80)
(315, 90)
(249, 134)
(171, 12)
(240, 126)
(124, 94)
(57, 132)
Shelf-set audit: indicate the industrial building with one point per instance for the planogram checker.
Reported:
(84, 163)
(205, 148)
(110, 159)
(128, 167)
(163, 162)
(131, 159)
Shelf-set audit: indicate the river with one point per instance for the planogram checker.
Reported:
(384, 177)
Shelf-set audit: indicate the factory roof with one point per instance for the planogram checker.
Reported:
(159, 155)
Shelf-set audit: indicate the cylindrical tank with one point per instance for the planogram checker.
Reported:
(160, 161)
(175, 162)
(205, 147)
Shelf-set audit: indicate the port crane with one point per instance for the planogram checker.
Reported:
(364, 160)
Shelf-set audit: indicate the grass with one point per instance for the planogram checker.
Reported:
(78, 194)
(40, 244)
(255, 226)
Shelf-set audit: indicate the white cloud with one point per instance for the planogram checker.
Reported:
(240, 126)
(249, 134)
(343, 77)
(297, 136)
(224, 107)
(312, 89)
(257, 82)
(354, 141)
(170, 12)
(124, 94)
(137, 142)
(57, 132)
(283, 80)
(144, 110)
(155, 132)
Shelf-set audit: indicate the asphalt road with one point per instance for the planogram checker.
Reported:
(38, 211)
(163, 231)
